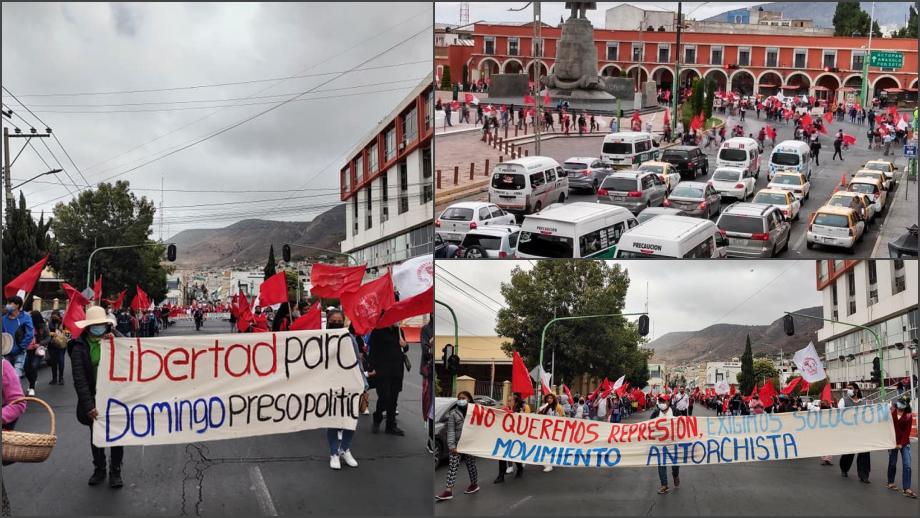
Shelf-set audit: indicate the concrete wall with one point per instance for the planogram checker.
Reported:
(627, 17)
(620, 87)
(509, 85)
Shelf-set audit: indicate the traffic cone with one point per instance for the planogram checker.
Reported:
(843, 180)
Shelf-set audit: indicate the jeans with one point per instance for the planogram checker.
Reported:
(118, 452)
(30, 367)
(616, 417)
(332, 435)
(663, 474)
(18, 361)
(904, 452)
(57, 358)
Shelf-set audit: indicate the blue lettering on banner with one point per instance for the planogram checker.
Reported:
(850, 416)
(200, 415)
(726, 450)
(517, 450)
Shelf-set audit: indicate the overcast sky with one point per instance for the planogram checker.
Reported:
(449, 12)
(100, 47)
(682, 295)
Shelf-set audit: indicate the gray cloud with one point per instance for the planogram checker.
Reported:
(124, 16)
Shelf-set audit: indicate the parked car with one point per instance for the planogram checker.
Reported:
(698, 199)
(492, 242)
(458, 219)
(733, 182)
(878, 175)
(442, 405)
(854, 200)
(835, 226)
(690, 161)
(444, 249)
(884, 166)
(633, 190)
(781, 199)
(585, 173)
(873, 188)
(666, 171)
(525, 185)
(796, 183)
(754, 230)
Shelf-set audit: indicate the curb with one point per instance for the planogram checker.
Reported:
(456, 194)
(903, 181)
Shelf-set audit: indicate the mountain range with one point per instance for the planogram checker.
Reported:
(721, 342)
(886, 13)
(246, 243)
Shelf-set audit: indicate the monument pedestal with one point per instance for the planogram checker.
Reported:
(583, 99)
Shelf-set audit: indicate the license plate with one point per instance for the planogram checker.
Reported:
(450, 236)
(734, 241)
(618, 198)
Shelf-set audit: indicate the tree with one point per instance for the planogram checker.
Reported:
(465, 77)
(910, 30)
(849, 18)
(25, 241)
(764, 370)
(746, 378)
(445, 78)
(696, 97)
(607, 346)
(110, 215)
(270, 266)
(710, 97)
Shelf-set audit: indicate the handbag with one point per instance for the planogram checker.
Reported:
(407, 362)
(364, 401)
(58, 340)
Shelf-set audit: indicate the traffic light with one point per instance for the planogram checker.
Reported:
(171, 252)
(286, 253)
(876, 370)
(788, 325)
(450, 360)
(643, 325)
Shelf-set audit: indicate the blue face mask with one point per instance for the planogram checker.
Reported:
(9, 308)
(97, 330)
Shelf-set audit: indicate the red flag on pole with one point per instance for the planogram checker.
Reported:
(365, 306)
(568, 392)
(120, 301)
(767, 393)
(23, 284)
(803, 387)
(274, 290)
(74, 294)
(140, 302)
(823, 129)
(771, 132)
(97, 289)
(826, 393)
(667, 118)
(622, 390)
(829, 117)
(520, 377)
(332, 281)
(529, 100)
(753, 391)
(546, 100)
(312, 319)
(791, 385)
(244, 313)
(74, 313)
(421, 304)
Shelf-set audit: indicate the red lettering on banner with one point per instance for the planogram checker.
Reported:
(112, 362)
(217, 349)
(508, 423)
(273, 347)
(643, 429)
(183, 361)
(227, 361)
(693, 427)
(478, 415)
(195, 354)
(140, 363)
(557, 429)
(591, 431)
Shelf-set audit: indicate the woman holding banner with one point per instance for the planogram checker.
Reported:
(456, 416)
(340, 439)
(903, 420)
(664, 410)
(550, 407)
(515, 403)
(853, 397)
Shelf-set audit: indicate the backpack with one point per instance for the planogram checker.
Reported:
(123, 323)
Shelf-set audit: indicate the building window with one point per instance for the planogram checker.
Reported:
(390, 144)
(429, 108)
(410, 125)
(744, 56)
(513, 46)
(368, 217)
(359, 169)
(830, 58)
(489, 45)
(403, 171)
(715, 55)
(771, 57)
(427, 184)
(834, 312)
(838, 265)
(354, 216)
(899, 283)
(800, 59)
(822, 270)
(858, 59)
(384, 199)
(689, 54)
(346, 179)
(613, 49)
(538, 48)
(372, 159)
(873, 282)
(636, 52)
(664, 52)
(851, 293)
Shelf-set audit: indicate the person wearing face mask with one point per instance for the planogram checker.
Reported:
(681, 402)
(902, 418)
(664, 410)
(340, 439)
(456, 416)
(515, 403)
(18, 325)
(853, 397)
(57, 354)
(259, 321)
(85, 351)
(756, 405)
(550, 406)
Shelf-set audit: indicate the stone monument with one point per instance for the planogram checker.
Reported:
(574, 78)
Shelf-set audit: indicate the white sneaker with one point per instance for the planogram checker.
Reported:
(509, 469)
(340, 435)
(349, 459)
(547, 469)
(367, 411)
(334, 462)
(31, 392)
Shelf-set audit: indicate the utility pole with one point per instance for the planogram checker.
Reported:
(674, 83)
(864, 93)
(7, 165)
(537, 70)
(161, 208)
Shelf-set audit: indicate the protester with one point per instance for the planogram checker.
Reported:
(902, 418)
(85, 352)
(58, 350)
(853, 397)
(550, 407)
(838, 146)
(756, 405)
(616, 409)
(386, 363)
(664, 410)
(12, 391)
(823, 405)
(516, 404)
(680, 402)
(581, 409)
(36, 350)
(340, 449)
(816, 149)
(455, 418)
(18, 325)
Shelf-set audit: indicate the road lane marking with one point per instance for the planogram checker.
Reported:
(520, 502)
(262, 495)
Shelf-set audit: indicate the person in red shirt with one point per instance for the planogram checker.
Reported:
(903, 420)
(259, 321)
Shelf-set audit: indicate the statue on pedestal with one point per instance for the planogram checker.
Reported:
(576, 56)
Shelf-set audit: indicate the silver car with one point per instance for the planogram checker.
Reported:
(492, 242)
(754, 230)
(697, 199)
(585, 173)
(633, 190)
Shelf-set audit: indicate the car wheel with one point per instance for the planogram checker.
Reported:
(809, 245)
(773, 252)
(562, 198)
(807, 194)
(438, 448)
(475, 252)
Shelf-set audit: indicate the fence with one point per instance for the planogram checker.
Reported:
(485, 388)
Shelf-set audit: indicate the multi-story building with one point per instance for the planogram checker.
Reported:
(879, 294)
(388, 185)
(718, 371)
(658, 376)
(768, 60)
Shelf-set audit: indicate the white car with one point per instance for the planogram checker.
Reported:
(796, 183)
(782, 199)
(460, 218)
(733, 182)
(878, 175)
(492, 242)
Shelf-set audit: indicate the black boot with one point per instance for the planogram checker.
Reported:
(375, 427)
(394, 430)
(98, 477)
(499, 479)
(115, 477)
(519, 473)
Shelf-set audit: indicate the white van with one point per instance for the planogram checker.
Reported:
(741, 152)
(528, 184)
(629, 149)
(579, 229)
(670, 236)
(790, 155)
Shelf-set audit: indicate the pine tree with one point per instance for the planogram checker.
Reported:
(465, 76)
(25, 241)
(445, 79)
(270, 267)
(710, 97)
(746, 378)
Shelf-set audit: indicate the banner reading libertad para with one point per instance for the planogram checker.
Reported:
(202, 388)
(561, 441)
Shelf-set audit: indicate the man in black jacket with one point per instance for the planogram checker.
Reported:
(84, 360)
(386, 362)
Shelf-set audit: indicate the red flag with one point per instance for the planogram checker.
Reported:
(893, 111)
(596, 391)
(753, 391)
(622, 390)
(274, 290)
(767, 393)
(140, 302)
(878, 120)
(520, 377)
(732, 392)
(849, 140)
(803, 387)
(667, 95)
(546, 100)
(529, 100)
(74, 313)
(826, 393)
(791, 385)
(607, 387)
(97, 289)
(421, 304)
(469, 97)
(244, 313)
(568, 392)
(23, 284)
(365, 306)
(312, 319)
(696, 123)
(667, 118)
(823, 129)
(829, 117)
(332, 281)
(74, 294)
(771, 132)
(120, 301)
(455, 105)
(544, 388)
(806, 120)
(635, 115)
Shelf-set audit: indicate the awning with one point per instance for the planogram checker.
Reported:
(892, 90)
(849, 89)
(769, 85)
(822, 88)
(793, 87)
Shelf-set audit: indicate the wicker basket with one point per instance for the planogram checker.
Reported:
(27, 446)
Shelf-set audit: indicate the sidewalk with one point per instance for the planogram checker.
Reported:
(902, 213)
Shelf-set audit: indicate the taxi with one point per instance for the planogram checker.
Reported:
(782, 199)
(796, 183)
(667, 172)
(835, 226)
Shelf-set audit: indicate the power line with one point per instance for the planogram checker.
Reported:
(448, 272)
(475, 299)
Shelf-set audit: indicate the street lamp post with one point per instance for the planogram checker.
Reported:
(53, 171)
(89, 261)
(453, 382)
(864, 93)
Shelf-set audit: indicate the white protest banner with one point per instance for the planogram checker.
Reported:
(413, 276)
(202, 388)
(685, 440)
(809, 364)
(722, 388)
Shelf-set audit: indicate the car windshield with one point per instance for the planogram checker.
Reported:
(617, 148)
(657, 169)
(742, 224)
(831, 220)
(619, 184)
(487, 242)
(575, 166)
(840, 201)
(785, 179)
(531, 243)
(877, 167)
(675, 155)
(726, 175)
(866, 188)
(772, 198)
(458, 214)
(686, 191)
(733, 155)
(784, 159)
(508, 181)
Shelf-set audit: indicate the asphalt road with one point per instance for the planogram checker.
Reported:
(772, 488)
(268, 475)
(825, 178)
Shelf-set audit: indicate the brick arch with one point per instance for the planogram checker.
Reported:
(914, 84)
(739, 85)
(807, 83)
(888, 79)
(643, 73)
(488, 66)
(611, 67)
(773, 77)
(520, 66)
(831, 81)
(530, 68)
(720, 85)
(684, 71)
(665, 69)
(846, 81)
